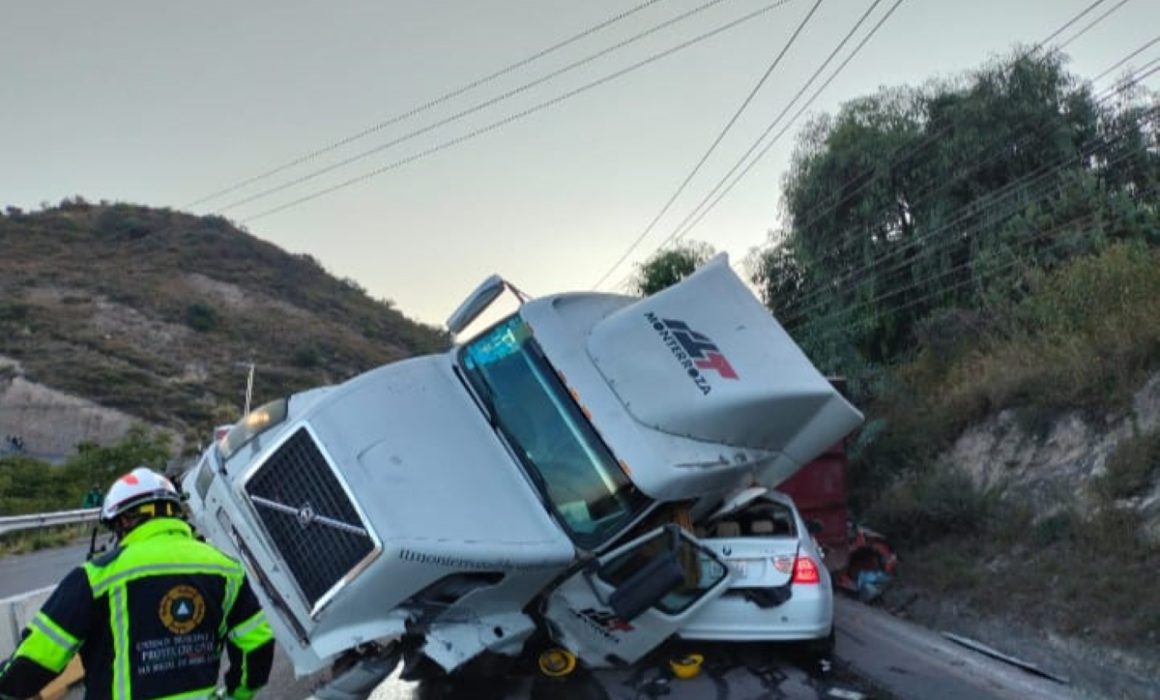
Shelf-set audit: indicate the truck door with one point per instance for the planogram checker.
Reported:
(626, 603)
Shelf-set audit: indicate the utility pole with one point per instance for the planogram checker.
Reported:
(249, 385)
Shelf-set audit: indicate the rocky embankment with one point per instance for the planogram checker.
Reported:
(50, 423)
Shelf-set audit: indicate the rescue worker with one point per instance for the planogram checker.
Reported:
(150, 617)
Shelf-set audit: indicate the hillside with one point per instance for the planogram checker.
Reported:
(155, 313)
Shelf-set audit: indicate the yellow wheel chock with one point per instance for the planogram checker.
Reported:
(687, 666)
(557, 662)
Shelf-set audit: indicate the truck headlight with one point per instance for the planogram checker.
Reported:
(251, 426)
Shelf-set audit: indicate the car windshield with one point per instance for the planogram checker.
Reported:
(532, 408)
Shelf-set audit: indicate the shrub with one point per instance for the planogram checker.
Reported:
(201, 317)
(1083, 338)
(1131, 469)
(929, 505)
(307, 357)
(13, 312)
(122, 221)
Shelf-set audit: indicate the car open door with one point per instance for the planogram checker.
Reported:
(623, 605)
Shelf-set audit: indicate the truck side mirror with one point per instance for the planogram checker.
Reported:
(647, 586)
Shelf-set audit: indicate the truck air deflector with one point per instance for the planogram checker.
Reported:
(309, 517)
(705, 360)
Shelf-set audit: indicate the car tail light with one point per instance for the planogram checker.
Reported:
(805, 571)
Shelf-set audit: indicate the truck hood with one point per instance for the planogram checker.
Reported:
(424, 463)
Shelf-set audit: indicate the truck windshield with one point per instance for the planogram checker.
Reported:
(566, 458)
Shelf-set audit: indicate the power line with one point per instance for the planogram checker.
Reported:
(1070, 22)
(983, 276)
(1127, 58)
(998, 149)
(915, 301)
(907, 151)
(712, 147)
(423, 107)
(803, 319)
(524, 113)
(1093, 23)
(678, 232)
(990, 200)
(874, 173)
(805, 306)
(976, 206)
(468, 111)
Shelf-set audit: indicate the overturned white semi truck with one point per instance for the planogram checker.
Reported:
(540, 487)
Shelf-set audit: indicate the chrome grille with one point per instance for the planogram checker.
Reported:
(308, 516)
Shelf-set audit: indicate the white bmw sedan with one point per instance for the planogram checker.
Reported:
(780, 590)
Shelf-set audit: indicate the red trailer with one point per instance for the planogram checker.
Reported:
(819, 490)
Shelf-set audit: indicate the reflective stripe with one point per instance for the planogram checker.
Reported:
(233, 586)
(200, 694)
(120, 646)
(242, 631)
(44, 647)
(149, 569)
(54, 632)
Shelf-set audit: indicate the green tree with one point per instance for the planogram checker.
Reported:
(101, 466)
(667, 267)
(32, 486)
(952, 195)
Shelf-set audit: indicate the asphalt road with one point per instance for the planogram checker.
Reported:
(878, 656)
(915, 662)
(28, 572)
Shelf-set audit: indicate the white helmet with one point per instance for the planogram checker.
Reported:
(138, 487)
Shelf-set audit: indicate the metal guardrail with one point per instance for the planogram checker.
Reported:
(12, 523)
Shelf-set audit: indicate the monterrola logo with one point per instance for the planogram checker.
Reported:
(696, 353)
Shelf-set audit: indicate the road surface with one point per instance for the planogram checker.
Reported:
(27, 572)
(878, 656)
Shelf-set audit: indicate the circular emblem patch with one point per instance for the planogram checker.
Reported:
(182, 609)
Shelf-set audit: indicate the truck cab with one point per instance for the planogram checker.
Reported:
(537, 484)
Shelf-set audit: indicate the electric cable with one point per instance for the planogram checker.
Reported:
(713, 146)
(684, 226)
(803, 309)
(468, 111)
(423, 107)
(522, 114)
(806, 304)
(873, 174)
(998, 149)
(1127, 58)
(1091, 24)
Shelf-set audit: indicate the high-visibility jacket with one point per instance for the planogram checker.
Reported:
(149, 620)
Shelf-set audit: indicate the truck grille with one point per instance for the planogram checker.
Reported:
(308, 516)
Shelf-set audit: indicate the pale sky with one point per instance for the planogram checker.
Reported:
(164, 103)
